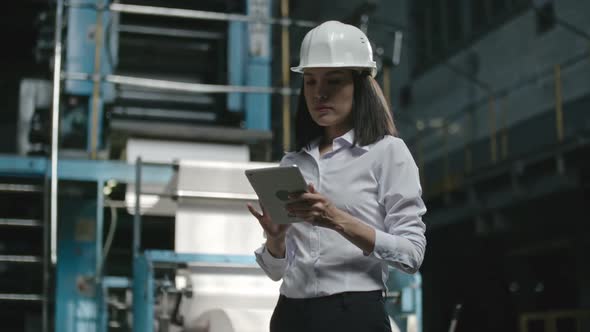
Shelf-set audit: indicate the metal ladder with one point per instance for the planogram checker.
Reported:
(24, 219)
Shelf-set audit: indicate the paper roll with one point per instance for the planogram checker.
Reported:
(232, 320)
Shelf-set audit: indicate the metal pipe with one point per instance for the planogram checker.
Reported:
(215, 195)
(96, 82)
(446, 160)
(397, 48)
(25, 188)
(204, 15)
(99, 230)
(188, 87)
(558, 104)
(55, 129)
(182, 33)
(76, 76)
(493, 139)
(21, 297)
(180, 86)
(20, 222)
(20, 259)
(285, 53)
(468, 141)
(137, 216)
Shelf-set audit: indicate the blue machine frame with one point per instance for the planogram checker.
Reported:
(144, 286)
(81, 55)
(407, 292)
(77, 308)
(249, 60)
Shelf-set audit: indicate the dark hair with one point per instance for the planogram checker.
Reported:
(371, 116)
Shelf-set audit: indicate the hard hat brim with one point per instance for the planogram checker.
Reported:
(372, 69)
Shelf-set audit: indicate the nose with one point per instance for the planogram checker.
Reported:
(321, 97)
(321, 93)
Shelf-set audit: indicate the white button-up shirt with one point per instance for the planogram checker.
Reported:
(379, 185)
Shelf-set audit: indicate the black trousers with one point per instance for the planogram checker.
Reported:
(343, 312)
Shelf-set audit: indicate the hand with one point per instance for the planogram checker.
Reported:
(316, 209)
(272, 230)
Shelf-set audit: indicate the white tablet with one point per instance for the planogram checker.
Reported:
(273, 186)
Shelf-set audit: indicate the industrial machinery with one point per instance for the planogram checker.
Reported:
(149, 126)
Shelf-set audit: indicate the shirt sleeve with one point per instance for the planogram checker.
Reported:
(402, 243)
(272, 266)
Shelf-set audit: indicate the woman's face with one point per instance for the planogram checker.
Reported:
(328, 94)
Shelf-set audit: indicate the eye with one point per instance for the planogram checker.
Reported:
(309, 82)
(334, 81)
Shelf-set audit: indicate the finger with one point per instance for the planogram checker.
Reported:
(310, 215)
(254, 212)
(295, 195)
(318, 207)
(311, 188)
(312, 197)
(299, 205)
(263, 209)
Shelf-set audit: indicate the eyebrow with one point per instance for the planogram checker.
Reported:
(332, 72)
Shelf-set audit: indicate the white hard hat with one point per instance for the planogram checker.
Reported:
(335, 44)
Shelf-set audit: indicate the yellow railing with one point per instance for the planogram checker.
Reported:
(498, 138)
(550, 318)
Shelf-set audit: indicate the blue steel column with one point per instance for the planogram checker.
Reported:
(80, 55)
(142, 279)
(99, 266)
(236, 58)
(258, 66)
(76, 297)
(143, 294)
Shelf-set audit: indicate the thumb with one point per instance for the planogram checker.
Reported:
(311, 188)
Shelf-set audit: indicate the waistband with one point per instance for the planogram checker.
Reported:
(345, 296)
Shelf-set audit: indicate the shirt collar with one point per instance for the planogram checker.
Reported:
(345, 140)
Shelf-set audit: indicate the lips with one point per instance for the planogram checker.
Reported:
(322, 108)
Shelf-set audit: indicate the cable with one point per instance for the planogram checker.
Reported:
(109, 240)
(111, 233)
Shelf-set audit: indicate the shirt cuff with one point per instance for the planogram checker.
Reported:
(388, 248)
(265, 259)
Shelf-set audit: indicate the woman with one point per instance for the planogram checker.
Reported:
(363, 207)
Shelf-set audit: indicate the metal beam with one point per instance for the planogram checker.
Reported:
(169, 32)
(20, 222)
(21, 297)
(204, 15)
(20, 259)
(180, 86)
(24, 188)
(187, 131)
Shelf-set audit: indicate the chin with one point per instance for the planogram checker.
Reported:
(324, 121)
